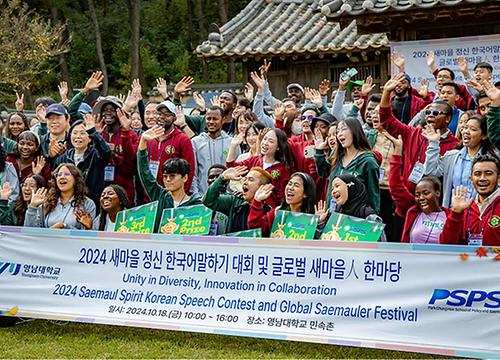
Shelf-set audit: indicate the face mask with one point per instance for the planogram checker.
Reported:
(297, 129)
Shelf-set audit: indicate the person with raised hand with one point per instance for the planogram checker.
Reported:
(438, 114)
(358, 90)
(273, 156)
(300, 196)
(234, 207)
(122, 141)
(476, 220)
(57, 207)
(90, 153)
(93, 83)
(424, 219)
(455, 165)
(6, 214)
(493, 114)
(258, 102)
(197, 123)
(29, 185)
(175, 175)
(173, 143)
(27, 157)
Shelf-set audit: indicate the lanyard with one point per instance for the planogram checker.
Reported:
(484, 224)
(432, 228)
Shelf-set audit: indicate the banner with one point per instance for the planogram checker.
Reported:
(349, 228)
(475, 49)
(427, 298)
(251, 233)
(294, 225)
(189, 220)
(140, 219)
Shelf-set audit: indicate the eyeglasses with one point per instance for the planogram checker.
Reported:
(65, 174)
(434, 112)
(306, 118)
(165, 113)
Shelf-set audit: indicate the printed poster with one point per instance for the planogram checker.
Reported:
(341, 227)
(186, 220)
(140, 219)
(294, 225)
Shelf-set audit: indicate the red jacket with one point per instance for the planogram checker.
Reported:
(175, 145)
(465, 100)
(471, 222)
(28, 170)
(297, 145)
(123, 158)
(258, 218)
(414, 143)
(405, 204)
(279, 172)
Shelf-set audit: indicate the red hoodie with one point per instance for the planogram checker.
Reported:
(279, 172)
(258, 218)
(414, 143)
(405, 204)
(28, 170)
(472, 222)
(175, 145)
(123, 158)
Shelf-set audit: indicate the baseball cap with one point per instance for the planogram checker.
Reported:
(353, 83)
(294, 85)
(167, 104)
(107, 100)
(57, 109)
(85, 109)
(325, 117)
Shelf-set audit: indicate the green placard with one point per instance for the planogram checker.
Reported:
(186, 220)
(247, 233)
(140, 219)
(342, 227)
(294, 225)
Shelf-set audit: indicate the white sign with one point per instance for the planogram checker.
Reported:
(396, 296)
(475, 49)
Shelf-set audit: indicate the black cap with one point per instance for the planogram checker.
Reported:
(325, 117)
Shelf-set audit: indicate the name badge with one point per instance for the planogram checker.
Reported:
(213, 229)
(381, 175)
(417, 173)
(109, 173)
(309, 152)
(475, 240)
(153, 167)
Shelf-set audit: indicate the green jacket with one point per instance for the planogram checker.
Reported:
(154, 191)
(493, 121)
(73, 107)
(6, 214)
(8, 144)
(363, 166)
(195, 122)
(236, 209)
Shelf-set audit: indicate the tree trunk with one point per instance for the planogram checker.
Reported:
(135, 26)
(231, 72)
(223, 11)
(202, 29)
(190, 24)
(63, 64)
(98, 44)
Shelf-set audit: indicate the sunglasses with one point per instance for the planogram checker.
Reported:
(306, 118)
(59, 174)
(434, 112)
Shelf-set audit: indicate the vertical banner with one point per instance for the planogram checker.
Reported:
(426, 298)
(475, 49)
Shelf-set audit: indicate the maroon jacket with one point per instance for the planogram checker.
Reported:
(175, 145)
(124, 148)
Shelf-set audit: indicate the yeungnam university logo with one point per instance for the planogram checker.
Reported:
(9, 268)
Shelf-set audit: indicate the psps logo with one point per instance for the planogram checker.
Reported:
(11, 268)
(467, 298)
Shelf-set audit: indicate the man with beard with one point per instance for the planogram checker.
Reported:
(405, 105)
(477, 221)
(209, 148)
(237, 209)
(437, 115)
(172, 144)
(358, 89)
(196, 123)
(123, 143)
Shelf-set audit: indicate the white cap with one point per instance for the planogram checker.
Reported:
(167, 104)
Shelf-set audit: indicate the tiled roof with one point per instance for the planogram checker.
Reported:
(336, 8)
(284, 27)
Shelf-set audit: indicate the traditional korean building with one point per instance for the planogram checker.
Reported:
(302, 44)
(405, 20)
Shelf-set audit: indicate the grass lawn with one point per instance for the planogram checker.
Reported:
(45, 339)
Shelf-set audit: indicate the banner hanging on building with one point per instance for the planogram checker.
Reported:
(475, 49)
(436, 299)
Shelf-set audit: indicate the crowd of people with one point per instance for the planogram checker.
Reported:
(425, 163)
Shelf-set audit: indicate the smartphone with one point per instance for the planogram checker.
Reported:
(346, 75)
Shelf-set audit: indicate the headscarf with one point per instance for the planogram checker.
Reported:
(357, 199)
